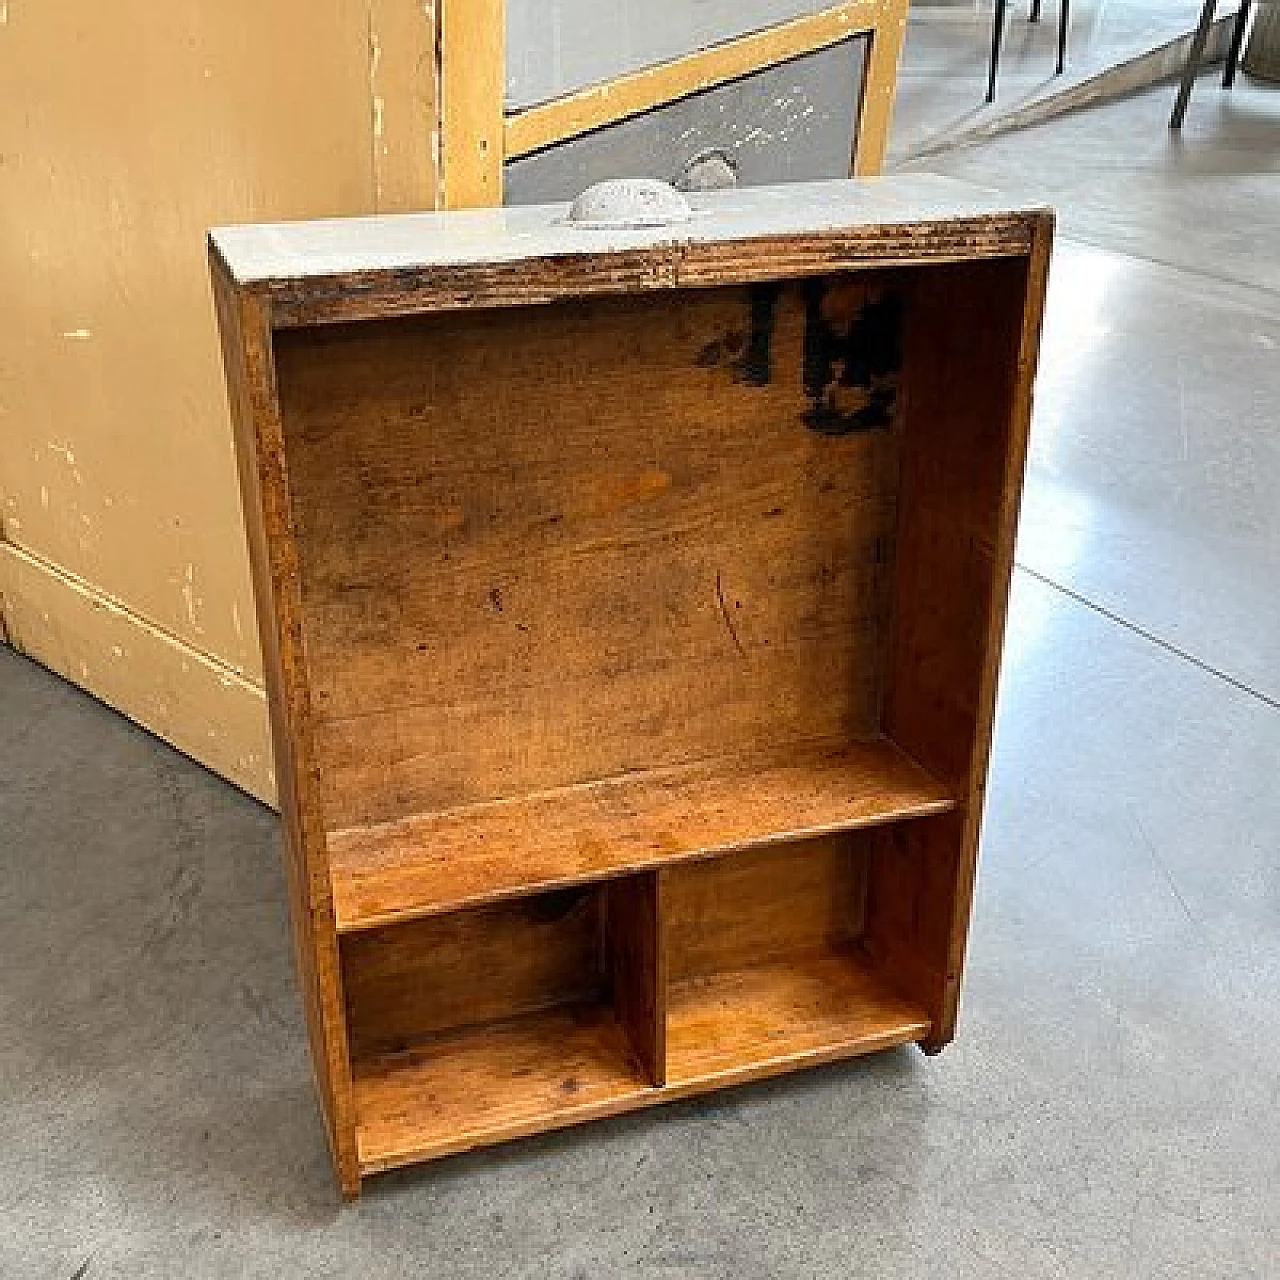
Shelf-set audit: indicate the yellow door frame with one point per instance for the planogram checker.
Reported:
(478, 136)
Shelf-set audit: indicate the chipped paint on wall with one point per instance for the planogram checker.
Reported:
(148, 484)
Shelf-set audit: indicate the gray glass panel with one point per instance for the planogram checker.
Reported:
(785, 124)
(556, 46)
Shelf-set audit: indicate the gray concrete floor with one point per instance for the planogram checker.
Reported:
(943, 81)
(1112, 1105)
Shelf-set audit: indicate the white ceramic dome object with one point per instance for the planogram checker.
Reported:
(622, 203)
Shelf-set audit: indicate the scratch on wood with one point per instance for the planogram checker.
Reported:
(724, 613)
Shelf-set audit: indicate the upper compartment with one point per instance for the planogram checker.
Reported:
(606, 581)
(543, 548)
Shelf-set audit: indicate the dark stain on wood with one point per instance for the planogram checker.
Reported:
(755, 367)
(852, 357)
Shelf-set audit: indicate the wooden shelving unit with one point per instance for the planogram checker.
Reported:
(631, 610)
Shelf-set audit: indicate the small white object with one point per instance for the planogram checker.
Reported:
(623, 203)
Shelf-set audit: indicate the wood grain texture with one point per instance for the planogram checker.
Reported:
(247, 356)
(623, 556)
(728, 913)
(764, 963)
(369, 295)
(451, 971)
(798, 1010)
(968, 414)
(636, 951)
(438, 862)
(493, 1083)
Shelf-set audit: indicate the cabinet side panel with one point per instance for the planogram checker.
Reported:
(972, 337)
(247, 355)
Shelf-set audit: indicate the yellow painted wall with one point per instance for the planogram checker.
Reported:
(126, 130)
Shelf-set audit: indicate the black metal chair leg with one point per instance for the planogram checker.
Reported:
(1035, 10)
(1237, 42)
(1064, 25)
(1198, 42)
(997, 33)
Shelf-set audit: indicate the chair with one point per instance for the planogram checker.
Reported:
(1194, 58)
(997, 36)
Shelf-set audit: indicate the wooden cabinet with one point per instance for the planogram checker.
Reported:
(632, 606)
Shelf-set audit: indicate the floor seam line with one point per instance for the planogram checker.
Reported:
(1096, 242)
(1150, 636)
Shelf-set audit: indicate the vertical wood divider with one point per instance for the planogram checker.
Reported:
(637, 959)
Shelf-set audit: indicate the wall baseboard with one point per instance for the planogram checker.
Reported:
(196, 703)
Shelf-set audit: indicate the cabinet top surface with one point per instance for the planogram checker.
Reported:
(295, 251)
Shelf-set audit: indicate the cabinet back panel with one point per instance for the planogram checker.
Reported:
(545, 545)
(732, 912)
(409, 981)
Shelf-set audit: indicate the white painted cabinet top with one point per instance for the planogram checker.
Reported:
(330, 247)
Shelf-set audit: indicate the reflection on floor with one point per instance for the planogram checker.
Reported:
(1110, 1106)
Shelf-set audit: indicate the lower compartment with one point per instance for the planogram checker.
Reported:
(766, 968)
(499, 1022)
(744, 1024)
(489, 1083)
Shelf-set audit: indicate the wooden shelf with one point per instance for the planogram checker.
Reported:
(484, 1084)
(814, 1007)
(510, 1079)
(420, 866)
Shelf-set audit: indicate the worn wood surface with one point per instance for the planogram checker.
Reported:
(436, 862)
(489, 1084)
(636, 951)
(764, 967)
(468, 968)
(247, 356)
(732, 912)
(797, 1010)
(968, 412)
(582, 619)
(361, 269)
(623, 555)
